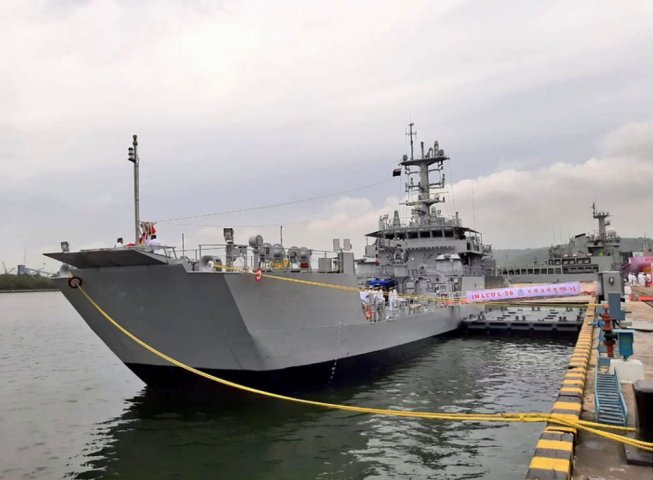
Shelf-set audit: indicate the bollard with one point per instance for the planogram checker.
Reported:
(644, 401)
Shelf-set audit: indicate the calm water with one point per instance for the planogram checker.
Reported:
(69, 409)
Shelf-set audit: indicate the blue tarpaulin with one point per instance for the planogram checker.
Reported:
(385, 283)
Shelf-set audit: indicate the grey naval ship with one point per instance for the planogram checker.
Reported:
(579, 260)
(304, 317)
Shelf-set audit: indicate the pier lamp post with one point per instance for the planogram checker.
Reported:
(133, 157)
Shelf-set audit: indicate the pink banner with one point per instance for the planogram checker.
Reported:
(535, 291)
(639, 264)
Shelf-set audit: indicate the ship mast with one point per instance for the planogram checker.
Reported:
(133, 157)
(601, 217)
(434, 156)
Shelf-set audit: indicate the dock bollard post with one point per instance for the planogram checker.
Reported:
(644, 402)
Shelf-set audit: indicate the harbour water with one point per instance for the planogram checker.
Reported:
(70, 409)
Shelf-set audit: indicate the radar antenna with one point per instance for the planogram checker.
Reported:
(428, 192)
(410, 133)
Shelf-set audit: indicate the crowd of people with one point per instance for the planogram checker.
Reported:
(147, 237)
(150, 242)
(375, 300)
(642, 278)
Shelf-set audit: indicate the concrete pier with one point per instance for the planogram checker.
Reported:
(599, 458)
(554, 453)
(564, 453)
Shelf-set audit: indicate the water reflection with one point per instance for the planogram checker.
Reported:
(170, 435)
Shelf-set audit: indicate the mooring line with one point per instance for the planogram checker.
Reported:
(591, 427)
(441, 299)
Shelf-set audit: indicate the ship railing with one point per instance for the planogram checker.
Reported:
(242, 256)
(386, 223)
(164, 250)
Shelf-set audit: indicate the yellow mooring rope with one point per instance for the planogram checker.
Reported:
(437, 299)
(592, 427)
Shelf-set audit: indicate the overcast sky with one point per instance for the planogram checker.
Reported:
(544, 107)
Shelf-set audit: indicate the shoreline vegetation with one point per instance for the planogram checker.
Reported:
(25, 283)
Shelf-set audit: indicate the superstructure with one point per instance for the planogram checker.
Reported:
(428, 253)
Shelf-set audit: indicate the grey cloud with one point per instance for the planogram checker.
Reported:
(248, 103)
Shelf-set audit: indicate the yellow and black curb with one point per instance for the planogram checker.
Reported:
(554, 452)
(552, 458)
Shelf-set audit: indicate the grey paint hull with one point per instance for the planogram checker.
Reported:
(227, 321)
(552, 278)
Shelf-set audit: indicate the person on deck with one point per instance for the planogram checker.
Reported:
(119, 243)
(154, 242)
(364, 294)
(392, 298)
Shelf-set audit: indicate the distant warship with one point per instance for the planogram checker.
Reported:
(301, 318)
(578, 260)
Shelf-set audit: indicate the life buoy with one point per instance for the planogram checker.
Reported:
(368, 312)
(258, 276)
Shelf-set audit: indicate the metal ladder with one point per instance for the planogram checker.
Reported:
(610, 405)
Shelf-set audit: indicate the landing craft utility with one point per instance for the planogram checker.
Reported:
(304, 320)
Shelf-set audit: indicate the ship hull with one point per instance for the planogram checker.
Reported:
(338, 372)
(260, 333)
